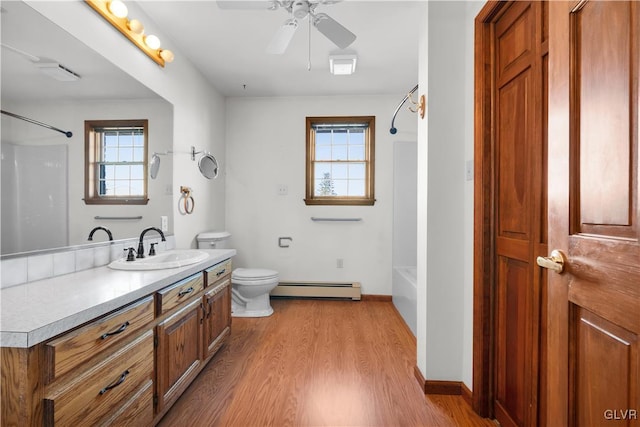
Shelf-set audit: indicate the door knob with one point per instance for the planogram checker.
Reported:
(554, 262)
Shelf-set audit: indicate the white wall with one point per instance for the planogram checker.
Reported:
(199, 113)
(265, 149)
(445, 215)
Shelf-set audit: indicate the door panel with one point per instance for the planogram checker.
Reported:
(517, 146)
(594, 306)
(599, 344)
(602, 140)
(514, 137)
(511, 56)
(513, 352)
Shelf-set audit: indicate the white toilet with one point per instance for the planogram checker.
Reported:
(250, 287)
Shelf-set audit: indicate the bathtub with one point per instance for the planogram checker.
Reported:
(404, 294)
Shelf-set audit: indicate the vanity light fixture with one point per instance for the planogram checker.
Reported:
(342, 65)
(115, 12)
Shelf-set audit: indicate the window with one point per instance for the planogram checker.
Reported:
(115, 162)
(340, 160)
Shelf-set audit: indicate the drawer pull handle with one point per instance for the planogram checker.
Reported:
(221, 272)
(185, 292)
(116, 332)
(117, 383)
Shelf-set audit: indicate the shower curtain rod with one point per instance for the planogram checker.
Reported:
(35, 122)
(393, 130)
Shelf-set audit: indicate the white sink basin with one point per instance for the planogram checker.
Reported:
(168, 259)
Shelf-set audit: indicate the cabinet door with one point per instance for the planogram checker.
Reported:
(217, 321)
(179, 352)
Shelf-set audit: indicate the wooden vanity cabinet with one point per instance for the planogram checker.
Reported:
(103, 392)
(103, 371)
(179, 353)
(191, 332)
(217, 316)
(74, 348)
(125, 368)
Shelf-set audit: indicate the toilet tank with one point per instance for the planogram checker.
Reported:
(213, 240)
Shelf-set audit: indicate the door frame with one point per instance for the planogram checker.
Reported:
(484, 214)
(484, 333)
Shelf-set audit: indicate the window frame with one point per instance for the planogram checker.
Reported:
(91, 145)
(369, 159)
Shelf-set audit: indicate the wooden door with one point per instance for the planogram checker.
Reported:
(179, 352)
(594, 305)
(511, 54)
(217, 316)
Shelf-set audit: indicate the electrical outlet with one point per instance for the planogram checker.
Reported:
(164, 223)
(469, 170)
(340, 263)
(283, 190)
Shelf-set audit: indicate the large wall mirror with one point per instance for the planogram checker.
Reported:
(43, 171)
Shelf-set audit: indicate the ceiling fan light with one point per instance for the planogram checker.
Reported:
(342, 65)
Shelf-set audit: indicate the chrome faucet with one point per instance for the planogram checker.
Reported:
(141, 246)
(100, 228)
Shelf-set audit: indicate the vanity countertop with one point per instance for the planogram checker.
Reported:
(34, 312)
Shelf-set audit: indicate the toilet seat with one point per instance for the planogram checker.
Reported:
(253, 274)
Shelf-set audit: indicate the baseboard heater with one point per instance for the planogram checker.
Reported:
(318, 290)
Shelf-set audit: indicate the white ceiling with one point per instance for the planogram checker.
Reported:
(228, 47)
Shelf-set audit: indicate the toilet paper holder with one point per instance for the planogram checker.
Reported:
(281, 239)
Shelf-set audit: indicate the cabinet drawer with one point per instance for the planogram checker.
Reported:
(76, 347)
(136, 412)
(104, 389)
(171, 296)
(218, 271)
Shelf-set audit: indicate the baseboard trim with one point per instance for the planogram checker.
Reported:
(408, 329)
(467, 395)
(383, 298)
(419, 378)
(443, 387)
(454, 388)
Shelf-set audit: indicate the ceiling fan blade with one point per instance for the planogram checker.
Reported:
(280, 41)
(333, 30)
(246, 5)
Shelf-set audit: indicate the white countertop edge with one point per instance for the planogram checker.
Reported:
(25, 339)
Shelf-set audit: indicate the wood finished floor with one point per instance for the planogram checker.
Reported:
(317, 363)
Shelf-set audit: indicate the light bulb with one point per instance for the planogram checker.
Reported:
(167, 55)
(136, 26)
(152, 41)
(118, 8)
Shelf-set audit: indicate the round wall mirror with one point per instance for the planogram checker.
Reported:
(208, 166)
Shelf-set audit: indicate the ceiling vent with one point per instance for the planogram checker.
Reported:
(57, 71)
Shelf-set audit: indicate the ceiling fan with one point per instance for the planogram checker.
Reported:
(299, 9)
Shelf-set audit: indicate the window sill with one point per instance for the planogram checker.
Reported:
(340, 202)
(114, 201)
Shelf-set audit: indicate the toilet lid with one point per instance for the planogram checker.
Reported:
(253, 273)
